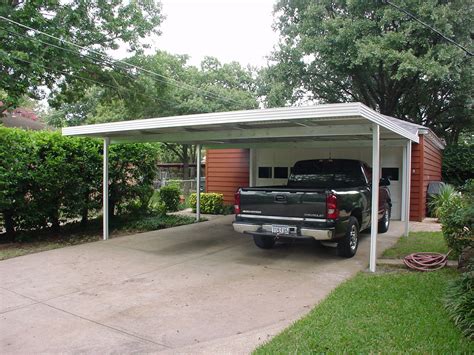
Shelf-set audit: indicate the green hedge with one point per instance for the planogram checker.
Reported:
(46, 179)
(211, 203)
(458, 164)
(457, 219)
(169, 196)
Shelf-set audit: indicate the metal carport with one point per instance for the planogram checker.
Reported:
(348, 124)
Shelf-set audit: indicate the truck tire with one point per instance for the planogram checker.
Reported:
(347, 247)
(384, 223)
(263, 241)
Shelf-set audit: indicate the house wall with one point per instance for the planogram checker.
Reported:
(426, 167)
(226, 171)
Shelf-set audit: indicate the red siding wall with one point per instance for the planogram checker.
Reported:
(226, 171)
(426, 167)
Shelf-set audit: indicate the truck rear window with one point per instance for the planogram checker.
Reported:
(327, 173)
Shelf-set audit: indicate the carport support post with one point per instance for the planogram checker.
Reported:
(375, 196)
(105, 190)
(198, 182)
(407, 160)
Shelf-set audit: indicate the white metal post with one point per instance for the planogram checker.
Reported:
(198, 182)
(404, 184)
(375, 196)
(408, 188)
(105, 190)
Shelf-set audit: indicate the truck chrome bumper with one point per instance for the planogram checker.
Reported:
(317, 234)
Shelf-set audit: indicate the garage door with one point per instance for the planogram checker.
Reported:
(272, 166)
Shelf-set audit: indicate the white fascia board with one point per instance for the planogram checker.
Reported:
(357, 143)
(326, 111)
(231, 117)
(379, 119)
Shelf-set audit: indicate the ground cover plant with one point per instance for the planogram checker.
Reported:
(418, 242)
(378, 313)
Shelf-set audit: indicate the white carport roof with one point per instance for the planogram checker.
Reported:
(329, 122)
(310, 126)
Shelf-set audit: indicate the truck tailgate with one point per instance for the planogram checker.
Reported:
(283, 202)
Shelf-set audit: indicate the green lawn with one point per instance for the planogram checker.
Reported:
(73, 234)
(418, 242)
(390, 312)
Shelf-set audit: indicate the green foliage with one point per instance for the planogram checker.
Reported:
(159, 222)
(132, 170)
(28, 63)
(170, 196)
(457, 220)
(459, 302)
(437, 201)
(458, 164)
(386, 313)
(418, 242)
(342, 51)
(46, 179)
(211, 203)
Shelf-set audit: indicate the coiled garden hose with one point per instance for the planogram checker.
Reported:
(426, 261)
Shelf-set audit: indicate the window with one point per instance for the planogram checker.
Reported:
(280, 172)
(264, 172)
(390, 173)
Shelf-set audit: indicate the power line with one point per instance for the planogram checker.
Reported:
(174, 82)
(428, 26)
(117, 88)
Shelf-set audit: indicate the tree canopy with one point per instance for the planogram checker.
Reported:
(357, 50)
(30, 61)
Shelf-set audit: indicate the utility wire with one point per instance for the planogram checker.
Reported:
(117, 88)
(174, 82)
(428, 26)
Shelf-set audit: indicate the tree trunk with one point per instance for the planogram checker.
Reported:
(185, 161)
(9, 225)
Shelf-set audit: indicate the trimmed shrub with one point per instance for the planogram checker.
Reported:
(459, 302)
(458, 164)
(46, 179)
(457, 220)
(211, 203)
(169, 197)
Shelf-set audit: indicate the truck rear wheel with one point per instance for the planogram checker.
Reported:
(263, 241)
(347, 247)
(384, 223)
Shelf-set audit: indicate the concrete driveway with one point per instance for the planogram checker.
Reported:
(196, 288)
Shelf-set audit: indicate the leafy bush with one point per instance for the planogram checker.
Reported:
(458, 164)
(169, 196)
(46, 179)
(457, 220)
(446, 193)
(459, 302)
(159, 222)
(211, 203)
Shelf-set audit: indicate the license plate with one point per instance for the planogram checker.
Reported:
(280, 229)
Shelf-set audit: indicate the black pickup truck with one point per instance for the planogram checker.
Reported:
(324, 199)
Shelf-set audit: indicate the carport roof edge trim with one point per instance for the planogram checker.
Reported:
(323, 111)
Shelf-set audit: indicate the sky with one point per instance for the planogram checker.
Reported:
(231, 30)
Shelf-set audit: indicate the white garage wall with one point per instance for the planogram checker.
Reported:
(391, 157)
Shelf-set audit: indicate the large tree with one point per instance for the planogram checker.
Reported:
(30, 61)
(167, 86)
(357, 50)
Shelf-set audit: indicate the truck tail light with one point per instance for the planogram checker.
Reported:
(237, 202)
(331, 207)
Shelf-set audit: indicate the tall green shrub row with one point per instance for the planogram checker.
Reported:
(458, 164)
(46, 178)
